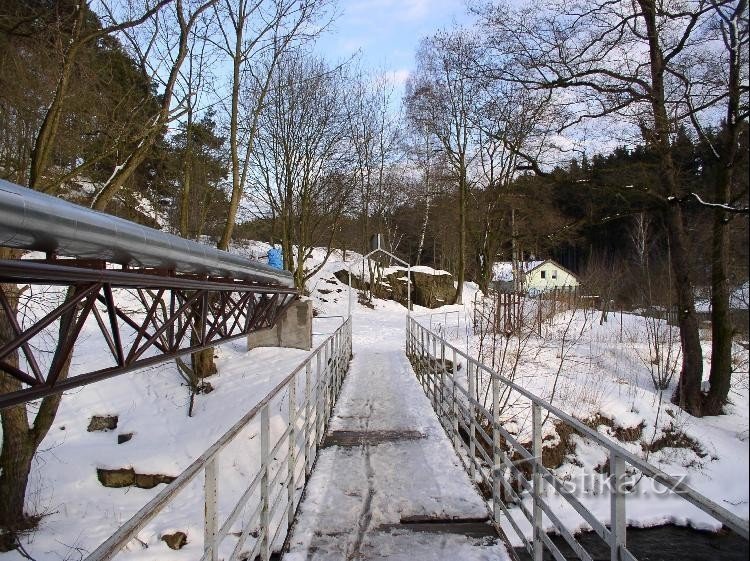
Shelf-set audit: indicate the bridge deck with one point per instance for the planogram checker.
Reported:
(388, 484)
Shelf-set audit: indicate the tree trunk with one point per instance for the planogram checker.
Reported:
(460, 273)
(203, 363)
(721, 319)
(688, 392)
(17, 446)
(20, 441)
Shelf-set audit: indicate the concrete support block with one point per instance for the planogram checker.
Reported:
(292, 331)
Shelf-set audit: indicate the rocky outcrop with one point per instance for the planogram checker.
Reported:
(429, 288)
(357, 283)
(433, 291)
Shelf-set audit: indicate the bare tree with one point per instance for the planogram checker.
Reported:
(603, 60)
(374, 140)
(440, 95)
(301, 156)
(254, 36)
(720, 86)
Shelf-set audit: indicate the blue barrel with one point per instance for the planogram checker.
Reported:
(275, 258)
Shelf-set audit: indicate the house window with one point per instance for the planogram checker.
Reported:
(544, 274)
(554, 274)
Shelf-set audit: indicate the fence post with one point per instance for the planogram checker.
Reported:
(210, 521)
(328, 388)
(319, 389)
(539, 312)
(472, 420)
(536, 424)
(456, 435)
(434, 368)
(496, 458)
(308, 420)
(265, 460)
(442, 377)
(617, 505)
(292, 449)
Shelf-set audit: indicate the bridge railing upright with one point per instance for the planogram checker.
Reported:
(510, 468)
(258, 522)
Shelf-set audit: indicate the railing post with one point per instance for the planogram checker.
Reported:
(434, 369)
(328, 389)
(456, 435)
(618, 526)
(292, 450)
(319, 388)
(536, 424)
(496, 457)
(210, 521)
(265, 460)
(472, 420)
(442, 378)
(422, 348)
(308, 419)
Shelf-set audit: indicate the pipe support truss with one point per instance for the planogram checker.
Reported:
(160, 318)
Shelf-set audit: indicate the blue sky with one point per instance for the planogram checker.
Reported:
(386, 33)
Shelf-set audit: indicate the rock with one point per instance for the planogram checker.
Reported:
(102, 422)
(427, 290)
(357, 283)
(176, 540)
(124, 437)
(123, 477)
(127, 477)
(432, 291)
(149, 481)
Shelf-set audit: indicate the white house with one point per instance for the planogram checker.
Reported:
(535, 276)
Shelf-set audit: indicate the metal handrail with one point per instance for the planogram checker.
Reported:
(330, 361)
(458, 410)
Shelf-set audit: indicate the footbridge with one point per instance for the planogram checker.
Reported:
(375, 446)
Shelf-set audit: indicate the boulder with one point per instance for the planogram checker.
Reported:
(176, 540)
(427, 289)
(432, 291)
(122, 477)
(124, 437)
(127, 477)
(102, 423)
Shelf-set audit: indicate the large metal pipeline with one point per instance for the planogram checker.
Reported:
(35, 221)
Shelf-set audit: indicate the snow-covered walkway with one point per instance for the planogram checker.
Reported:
(385, 465)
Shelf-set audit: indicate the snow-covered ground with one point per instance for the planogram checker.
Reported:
(584, 367)
(604, 372)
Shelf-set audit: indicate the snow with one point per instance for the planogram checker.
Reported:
(587, 369)
(738, 300)
(371, 486)
(416, 269)
(603, 369)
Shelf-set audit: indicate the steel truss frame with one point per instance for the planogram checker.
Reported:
(176, 315)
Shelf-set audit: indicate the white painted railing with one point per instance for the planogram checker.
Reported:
(255, 526)
(478, 434)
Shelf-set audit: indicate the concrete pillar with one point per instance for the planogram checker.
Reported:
(293, 330)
